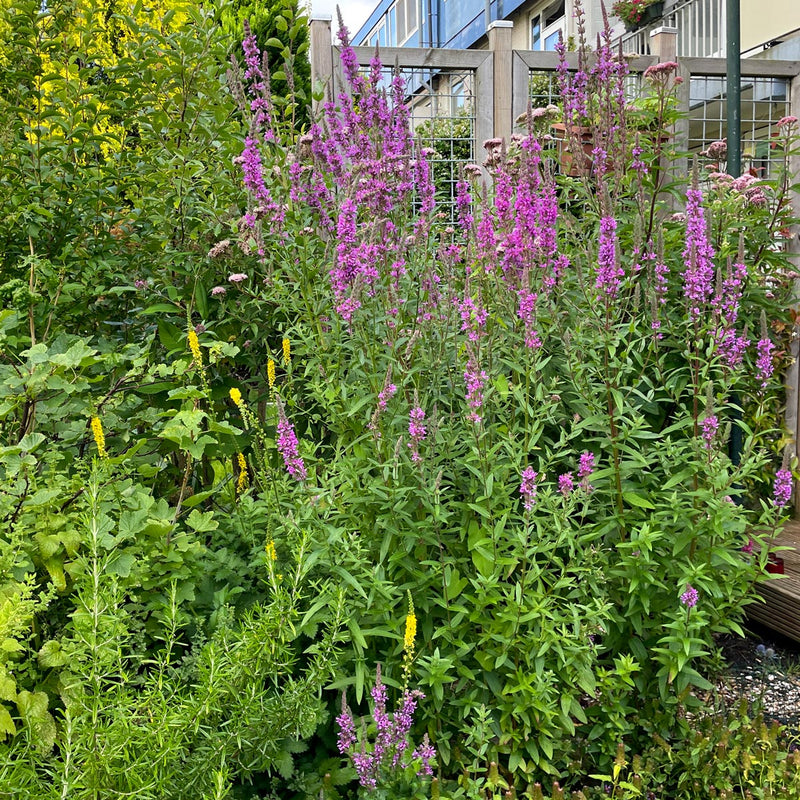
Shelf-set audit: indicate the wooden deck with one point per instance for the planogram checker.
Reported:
(780, 610)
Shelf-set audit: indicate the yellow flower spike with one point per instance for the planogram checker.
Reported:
(411, 627)
(408, 641)
(99, 436)
(194, 346)
(272, 554)
(287, 352)
(271, 373)
(243, 480)
(236, 396)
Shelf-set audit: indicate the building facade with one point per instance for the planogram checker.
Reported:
(769, 28)
(463, 24)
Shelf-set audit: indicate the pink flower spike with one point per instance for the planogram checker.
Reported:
(528, 487)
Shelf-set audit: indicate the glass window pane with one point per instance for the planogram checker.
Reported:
(536, 33)
(551, 41)
(402, 30)
(554, 13)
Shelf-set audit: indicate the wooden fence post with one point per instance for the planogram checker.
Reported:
(500, 45)
(321, 59)
(664, 43)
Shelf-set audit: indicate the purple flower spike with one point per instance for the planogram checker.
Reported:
(288, 447)
(689, 597)
(698, 255)
(782, 492)
(586, 466)
(710, 426)
(609, 272)
(475, 379)
(347, 728)
(528, 487)
(365, 769)
(417, 432)
(425, 752)
(764, 365)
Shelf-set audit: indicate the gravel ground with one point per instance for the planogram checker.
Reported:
(764, 668)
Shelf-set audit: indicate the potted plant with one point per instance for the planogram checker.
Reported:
(637, 13)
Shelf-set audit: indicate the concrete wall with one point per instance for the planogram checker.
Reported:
(766, 20)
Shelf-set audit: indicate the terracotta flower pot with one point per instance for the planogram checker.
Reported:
(570, 165)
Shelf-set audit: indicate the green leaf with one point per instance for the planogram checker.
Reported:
(8, 686)
(51, 655)
(7, 727)
(32, 708)
(202, 521)
(637, 500)
(171, 336)
(120, 564)
(31, 441)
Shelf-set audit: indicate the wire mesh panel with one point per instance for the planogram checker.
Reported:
(764, 101)
(442, 105)
(543, 87)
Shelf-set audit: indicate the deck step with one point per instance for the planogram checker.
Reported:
(780, 609)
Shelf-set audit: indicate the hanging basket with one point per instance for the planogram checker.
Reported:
(650, 14)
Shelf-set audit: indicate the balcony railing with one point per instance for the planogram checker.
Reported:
(701, 30)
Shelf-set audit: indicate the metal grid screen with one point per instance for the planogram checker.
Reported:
(543, 87)
(764, 102)
(441, 104)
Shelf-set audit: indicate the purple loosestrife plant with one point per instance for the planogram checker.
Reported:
(569, 348)
(385, 757)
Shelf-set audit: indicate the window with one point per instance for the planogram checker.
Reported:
(396, 25)
(458, 97)
(551, 41)
(546, 25)
(536, 32)
(406, 19)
